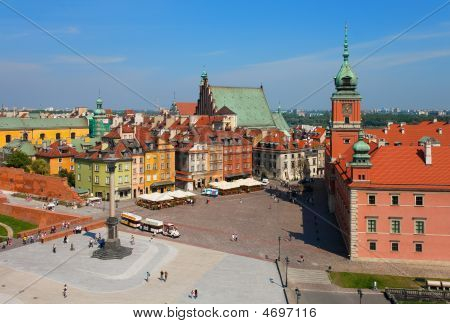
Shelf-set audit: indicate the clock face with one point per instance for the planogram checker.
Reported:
(347, 108)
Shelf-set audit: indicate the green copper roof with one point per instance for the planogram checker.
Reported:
(346, 79)
(361, 150)
(279, 120)
(19, 145)
(249, 104)
(80, 144)
(7, 123)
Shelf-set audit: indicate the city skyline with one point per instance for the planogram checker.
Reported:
(160, 49)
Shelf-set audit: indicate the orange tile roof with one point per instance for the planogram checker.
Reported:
(186, 108)
(404, 167)
(56, 150)
(413, 133)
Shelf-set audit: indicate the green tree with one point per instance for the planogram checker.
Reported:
(40, 166)
(18, 159)
(63, 173)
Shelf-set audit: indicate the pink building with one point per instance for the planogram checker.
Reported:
(389, 189)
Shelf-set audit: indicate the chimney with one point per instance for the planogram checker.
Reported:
(402, 130)
(434, 120)
(439, 131)
(385, 130)
(428, 153)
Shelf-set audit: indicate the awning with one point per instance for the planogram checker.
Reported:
(81, 191)
(162, 183)
(237, 175)
(124, 189)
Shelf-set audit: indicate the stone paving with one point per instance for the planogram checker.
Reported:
(34, 274)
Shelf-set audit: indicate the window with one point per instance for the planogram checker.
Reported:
(192, 157)
(72, 160)
(346, 141)
(107, 180)
(95, 167)
(58, 136)
(192, 168)
(419, 200)
(147, 166)
(394, 246)
(361, 177)
(162, 156)
(127, 167)
(120, 166)
(372, 225)
(418, 247)
(60, 160)
(8, 138)
(162, 165)
(372, 246)
(149, 178)
(394, 200)
(120, 179)
(72, 135)
(155, 177)
(154, 166)
(419, 227)
(395, 226)
(372, 200)
(72, 168)
(42, 136)
(347, 120)
(96, 179)
(168, 166)
(126, 179)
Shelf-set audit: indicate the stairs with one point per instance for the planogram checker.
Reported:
(309, 276)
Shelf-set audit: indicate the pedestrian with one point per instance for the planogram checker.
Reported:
(91, 243)
(54, 248)
(132, 239)
(65, 291)
(24, 240)
(195, 293)
(232, 237)
(165, 276)
(65, 239)
(161, 277)
(240, 201)
(148, 276)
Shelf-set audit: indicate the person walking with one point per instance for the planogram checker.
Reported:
(161, 277)
(148, 276)
(165, 276)
(132, 239)
(65, 291)
(54, 248)
(65, 239)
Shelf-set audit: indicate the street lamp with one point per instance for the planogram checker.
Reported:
(279, 248)
(360, 293)
(287, 263)
(298, 294)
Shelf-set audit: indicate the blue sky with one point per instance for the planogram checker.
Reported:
(161, 47)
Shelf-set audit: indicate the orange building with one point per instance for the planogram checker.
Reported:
(389, 189)
(59, 156)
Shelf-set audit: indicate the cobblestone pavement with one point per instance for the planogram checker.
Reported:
(306, 230)
(34, 274)
(259, 221)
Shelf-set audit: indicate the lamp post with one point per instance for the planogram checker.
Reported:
(287, 263)
(298, 294)
(279, 248)
(360, 293)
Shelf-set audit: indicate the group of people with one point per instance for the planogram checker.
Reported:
(77, 229)
(194, 293)
(234, 237)
(65, 225)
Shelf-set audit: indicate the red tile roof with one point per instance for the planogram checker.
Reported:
(186, 108)
(404, 167)
(412, 133)
(57, 150)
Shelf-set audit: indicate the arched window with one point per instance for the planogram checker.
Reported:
(8, 138)
(25, 136)
(58, 136)
(72, 135)
(42, 136)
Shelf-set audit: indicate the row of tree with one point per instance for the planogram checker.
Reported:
(20, 160)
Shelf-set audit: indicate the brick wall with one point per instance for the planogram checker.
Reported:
(12, 179)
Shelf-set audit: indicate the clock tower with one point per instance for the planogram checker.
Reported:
(345, 108)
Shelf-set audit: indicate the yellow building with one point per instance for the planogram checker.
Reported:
(36, 130)
(159, 166)
(59, 156)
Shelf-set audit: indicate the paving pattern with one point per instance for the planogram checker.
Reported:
(34, 274)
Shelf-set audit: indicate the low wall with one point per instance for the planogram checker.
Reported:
(18, 180)
(61, 234)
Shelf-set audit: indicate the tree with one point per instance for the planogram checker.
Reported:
(40, 166)
(18, 159)
(63, 173)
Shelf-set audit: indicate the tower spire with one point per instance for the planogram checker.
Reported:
(346, 54)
